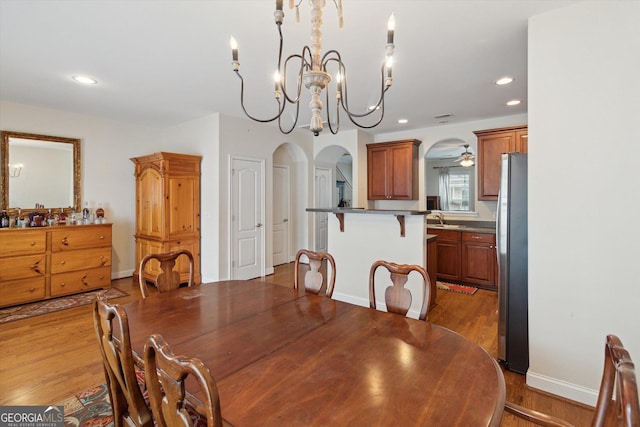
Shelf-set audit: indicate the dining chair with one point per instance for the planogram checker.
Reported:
(619, 374)
(125, 393)
(168, 279)
(166, 374)
(397, 297)
(313, 278)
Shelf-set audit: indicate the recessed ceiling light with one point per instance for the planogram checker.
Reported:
(85, 80)
(513, 102)
(403, 121)
(504, 80)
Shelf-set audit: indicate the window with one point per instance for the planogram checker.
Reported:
(458, 189)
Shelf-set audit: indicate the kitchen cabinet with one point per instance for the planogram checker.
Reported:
(478, 259)
(466, 257)
(44, 262)
(448, 248)
(392, 170)
(491, 144)
(167, 210)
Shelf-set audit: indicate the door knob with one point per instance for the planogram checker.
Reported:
(285, 220)
(259, 225)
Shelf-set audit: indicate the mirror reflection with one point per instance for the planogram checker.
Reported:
(40, 172)
(450, 176)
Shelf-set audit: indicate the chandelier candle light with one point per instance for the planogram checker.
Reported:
(312, 72)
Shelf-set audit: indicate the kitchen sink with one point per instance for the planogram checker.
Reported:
(446, 225)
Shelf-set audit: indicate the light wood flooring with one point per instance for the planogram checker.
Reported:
(48, 358)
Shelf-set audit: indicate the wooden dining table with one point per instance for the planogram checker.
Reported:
(283, 357)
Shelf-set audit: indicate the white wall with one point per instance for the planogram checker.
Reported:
(584, 192)
(375, 237)
(107, 172)
(200, 137)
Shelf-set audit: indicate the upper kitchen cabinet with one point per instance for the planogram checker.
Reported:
(393, 170)
(491, 144)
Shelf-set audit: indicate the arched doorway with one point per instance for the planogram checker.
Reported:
(450, 186)
(289, 190)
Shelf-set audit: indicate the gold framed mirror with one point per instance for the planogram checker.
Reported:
(39, 172)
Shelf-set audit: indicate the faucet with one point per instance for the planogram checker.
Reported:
(440, 217)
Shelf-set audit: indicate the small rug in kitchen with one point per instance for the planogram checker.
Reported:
(453, 287)
(24, 311)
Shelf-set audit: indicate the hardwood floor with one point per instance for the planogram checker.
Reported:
(48, 358)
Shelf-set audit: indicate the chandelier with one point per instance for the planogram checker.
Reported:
(312, 71)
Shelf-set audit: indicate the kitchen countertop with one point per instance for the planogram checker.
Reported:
(369, 211)
(469, 226)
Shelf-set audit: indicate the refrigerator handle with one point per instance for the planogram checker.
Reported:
(498, 228)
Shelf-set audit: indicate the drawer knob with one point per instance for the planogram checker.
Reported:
(33, 243)
(62, 285)
(101, 237)
(475, 237)
(35, 267)
(101, 277)
(64, 241)
(32, 290)
(62, 262)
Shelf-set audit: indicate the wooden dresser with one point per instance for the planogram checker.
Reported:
(47, 262)
(168, 209)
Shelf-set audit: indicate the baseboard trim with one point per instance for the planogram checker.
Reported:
(121, 274)
(350, 299)
(561, 388)
(365, 303)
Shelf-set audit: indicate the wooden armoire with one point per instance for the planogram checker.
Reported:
(168, 209)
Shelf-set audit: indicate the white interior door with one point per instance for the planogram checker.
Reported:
(323, 186)
(281, 215)
(247, 219)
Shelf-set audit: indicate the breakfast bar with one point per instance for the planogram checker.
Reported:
(359, 237)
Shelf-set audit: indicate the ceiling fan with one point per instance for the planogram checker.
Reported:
(466, 159)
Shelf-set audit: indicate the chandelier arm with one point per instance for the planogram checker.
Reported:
(329, 115)
(345, 98)
(295, 121)
(280, 110)
(283, 85)
(326, 60)
(365, 126)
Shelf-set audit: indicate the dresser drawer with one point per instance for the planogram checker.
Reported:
(78, 281)
(69, 238)
(478, 237)
(22, 242)
(65, 261)
(22, 267)
(21, 291)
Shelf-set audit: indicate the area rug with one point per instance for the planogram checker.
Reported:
(453, 287)
(89, 408)
(24, 311)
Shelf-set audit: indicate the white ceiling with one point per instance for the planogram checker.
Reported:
(160, 63)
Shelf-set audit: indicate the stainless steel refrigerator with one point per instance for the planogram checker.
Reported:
(512, 247)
